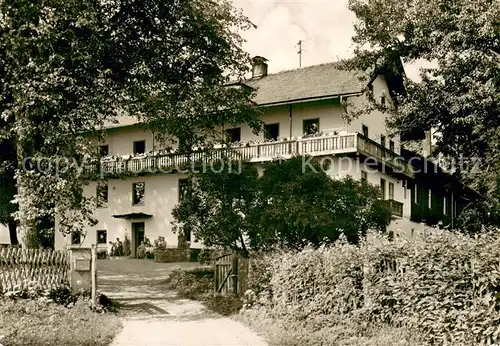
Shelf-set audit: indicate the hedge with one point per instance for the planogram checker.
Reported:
(445, 286)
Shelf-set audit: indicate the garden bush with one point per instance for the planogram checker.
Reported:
(42, 322)
(198, 284)
(445, 287)
(206, 256)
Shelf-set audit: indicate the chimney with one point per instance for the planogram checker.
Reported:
(259, 67)
(427, 144)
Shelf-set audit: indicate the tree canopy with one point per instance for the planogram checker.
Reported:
(279, 205)
(458, 95)
(67, 67)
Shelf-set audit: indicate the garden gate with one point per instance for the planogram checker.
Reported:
(230, 274)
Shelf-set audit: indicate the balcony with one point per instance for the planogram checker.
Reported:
(395, 207)
(352, 143)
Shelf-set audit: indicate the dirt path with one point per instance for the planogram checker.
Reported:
(152, 315)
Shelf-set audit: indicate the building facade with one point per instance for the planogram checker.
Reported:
(304, 112)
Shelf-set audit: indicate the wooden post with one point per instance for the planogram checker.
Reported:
(94, 274)
(215, 277)
(243, 269)
(235, 274)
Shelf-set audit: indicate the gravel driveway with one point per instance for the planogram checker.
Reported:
(152, 315)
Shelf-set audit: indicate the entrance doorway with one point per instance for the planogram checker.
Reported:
(137, 236)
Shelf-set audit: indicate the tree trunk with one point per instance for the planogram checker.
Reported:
(13, 232)
(25, 227)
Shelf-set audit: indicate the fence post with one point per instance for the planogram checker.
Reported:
(80, 269)
(235, 274)
(94, 274)
(243, 269)
(216, 277)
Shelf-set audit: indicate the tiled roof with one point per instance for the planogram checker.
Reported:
(308, 82)
(303, 83)
(121, 121)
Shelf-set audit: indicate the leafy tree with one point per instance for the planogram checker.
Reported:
(69, 66)
(302, 205)
(458, 94)
(285, 206)
(8, 188)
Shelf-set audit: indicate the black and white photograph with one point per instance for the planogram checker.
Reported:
(249, 172)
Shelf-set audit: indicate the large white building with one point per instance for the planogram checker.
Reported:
(294, 103)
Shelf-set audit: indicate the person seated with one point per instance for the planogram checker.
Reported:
(111, 249)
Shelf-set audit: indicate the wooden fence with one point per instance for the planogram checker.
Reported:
(25, 268)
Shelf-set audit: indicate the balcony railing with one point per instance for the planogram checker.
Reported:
(249, 152)
(370, 148)
(395, 207)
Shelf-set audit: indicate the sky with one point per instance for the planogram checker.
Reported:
(324, 26)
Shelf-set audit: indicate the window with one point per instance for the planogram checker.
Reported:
(364, 177)
(102, 237)
(184, 185)
(104, 150)
(382, 100)
(382, 140)
(391, 191)
(444, 205)
(234, 135)
(102, 195)
(365, 131)
(382, 187)
(429, 200)
(391, 145)
(76, 238)
(310, 126)
(271, 131)
(138, 190)
(139, 147)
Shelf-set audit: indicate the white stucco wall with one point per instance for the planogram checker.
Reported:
(4, 234)
(328, 113)
(161, 195)
(375, 121)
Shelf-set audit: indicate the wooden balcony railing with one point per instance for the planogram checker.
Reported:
(251, 152)
(395, 207)
(370, 148)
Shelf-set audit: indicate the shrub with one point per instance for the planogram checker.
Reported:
(205, 256)
(171, 255)
(41, 322)
(194, 255)
(444, 286)
(196, 283)
(224, 305)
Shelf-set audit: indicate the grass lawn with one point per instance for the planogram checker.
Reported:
(35, 322)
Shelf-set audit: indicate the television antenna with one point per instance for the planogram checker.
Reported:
(299, 52)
